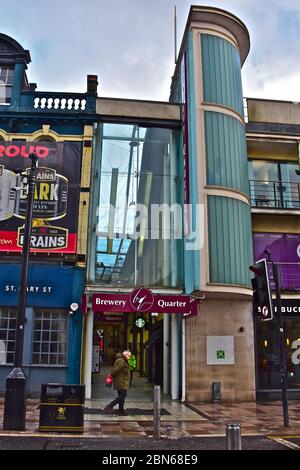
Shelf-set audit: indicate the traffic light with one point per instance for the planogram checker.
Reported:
(261, 289)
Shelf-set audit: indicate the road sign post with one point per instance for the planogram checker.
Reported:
(283, 371)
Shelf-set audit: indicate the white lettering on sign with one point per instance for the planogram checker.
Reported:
(168, 303)
(30, 289)
(298, 251)
(294, 309)
(110, 302)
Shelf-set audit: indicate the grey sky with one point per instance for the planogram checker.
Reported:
(129, 44)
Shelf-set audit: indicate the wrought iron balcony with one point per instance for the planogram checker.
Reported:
(275, 194)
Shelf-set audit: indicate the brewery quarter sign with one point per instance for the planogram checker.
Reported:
(56, 197)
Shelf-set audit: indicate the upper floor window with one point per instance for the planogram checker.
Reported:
(274, 184)
(6, 82)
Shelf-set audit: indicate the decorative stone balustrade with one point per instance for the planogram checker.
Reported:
(64, 102)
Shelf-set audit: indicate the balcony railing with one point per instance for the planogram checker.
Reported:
(289, 275)
(275, 194)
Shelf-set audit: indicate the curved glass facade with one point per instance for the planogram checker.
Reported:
(139, 220)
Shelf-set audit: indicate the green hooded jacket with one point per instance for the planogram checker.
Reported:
(132, 362)
(120, 373)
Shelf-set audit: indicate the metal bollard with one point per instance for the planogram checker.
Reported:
(233, 437)
(156, 411)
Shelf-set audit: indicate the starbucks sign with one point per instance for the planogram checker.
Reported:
(140, 322)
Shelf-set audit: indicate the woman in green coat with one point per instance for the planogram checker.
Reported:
(121, 376)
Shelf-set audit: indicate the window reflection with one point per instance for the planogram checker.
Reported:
(274, 184)
(138, 173)
(268, 355)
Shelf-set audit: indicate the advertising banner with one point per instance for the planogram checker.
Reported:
(56, 198)
(285, 250)
(284, 247)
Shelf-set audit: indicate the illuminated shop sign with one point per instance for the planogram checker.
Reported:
(56, 197)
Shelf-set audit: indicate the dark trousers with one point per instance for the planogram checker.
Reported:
(122, 394)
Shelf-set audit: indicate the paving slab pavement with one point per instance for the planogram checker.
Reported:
(180, 421)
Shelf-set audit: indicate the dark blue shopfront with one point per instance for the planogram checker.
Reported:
(52, 336)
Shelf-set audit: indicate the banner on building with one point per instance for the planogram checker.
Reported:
(142, 300)
(285, 250)
(56, 198)
(48, 285)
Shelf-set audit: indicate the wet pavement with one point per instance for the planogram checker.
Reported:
(182, 421)
(178, 420)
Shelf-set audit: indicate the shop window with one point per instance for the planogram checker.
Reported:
(6, 82)
(268, 354)
(50, 337)
(7, 335)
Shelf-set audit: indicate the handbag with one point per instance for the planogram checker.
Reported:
(109, 381)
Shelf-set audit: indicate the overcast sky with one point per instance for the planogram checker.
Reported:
(129, 44)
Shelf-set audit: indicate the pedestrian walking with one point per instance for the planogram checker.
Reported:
(132, 366)
(121, 376)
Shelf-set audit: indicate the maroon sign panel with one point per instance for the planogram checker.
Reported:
(143, 300)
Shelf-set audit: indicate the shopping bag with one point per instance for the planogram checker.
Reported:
(109, 381)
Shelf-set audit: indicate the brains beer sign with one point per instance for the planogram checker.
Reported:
(55, 206)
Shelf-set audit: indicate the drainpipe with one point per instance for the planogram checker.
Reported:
(88, 354)
(183, 361)
(166, 353)
(174, 358)
(18, 80)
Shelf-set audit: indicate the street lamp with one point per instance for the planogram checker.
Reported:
(16, 382)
